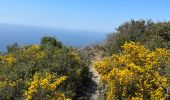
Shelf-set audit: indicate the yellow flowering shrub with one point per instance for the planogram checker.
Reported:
(74, 57)
(33, 52)
(47, 83)
(29, 64)
(9, 83)
(7, 60)
(135, 74)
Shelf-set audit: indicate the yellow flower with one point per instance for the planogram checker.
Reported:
(135, 73)
(48, 82)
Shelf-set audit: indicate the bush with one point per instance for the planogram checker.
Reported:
(150, 34)
(135, 74)
(50, 42)
(19, 68)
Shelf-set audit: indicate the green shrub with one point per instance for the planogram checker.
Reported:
(16, 68)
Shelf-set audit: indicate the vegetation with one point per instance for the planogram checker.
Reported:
(134, 65)
(151, 35)
(46, 71)
(135, 74)
(136, 61)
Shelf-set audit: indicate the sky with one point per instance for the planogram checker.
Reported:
(90, 15)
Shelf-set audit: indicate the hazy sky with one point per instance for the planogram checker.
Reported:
(95, 15)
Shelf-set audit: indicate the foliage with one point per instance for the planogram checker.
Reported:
(13, 48)
(44, 86)
(150, 34)
(50, 62)
(135, 74)
(50, 42)
(54, 71)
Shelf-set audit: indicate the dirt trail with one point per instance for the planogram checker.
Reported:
(91, 89)
(95, 78)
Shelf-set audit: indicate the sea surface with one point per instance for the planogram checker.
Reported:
(26, 35)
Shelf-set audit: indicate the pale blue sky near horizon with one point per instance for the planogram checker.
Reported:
(90, 15)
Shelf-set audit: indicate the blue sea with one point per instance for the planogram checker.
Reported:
(26, 35)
